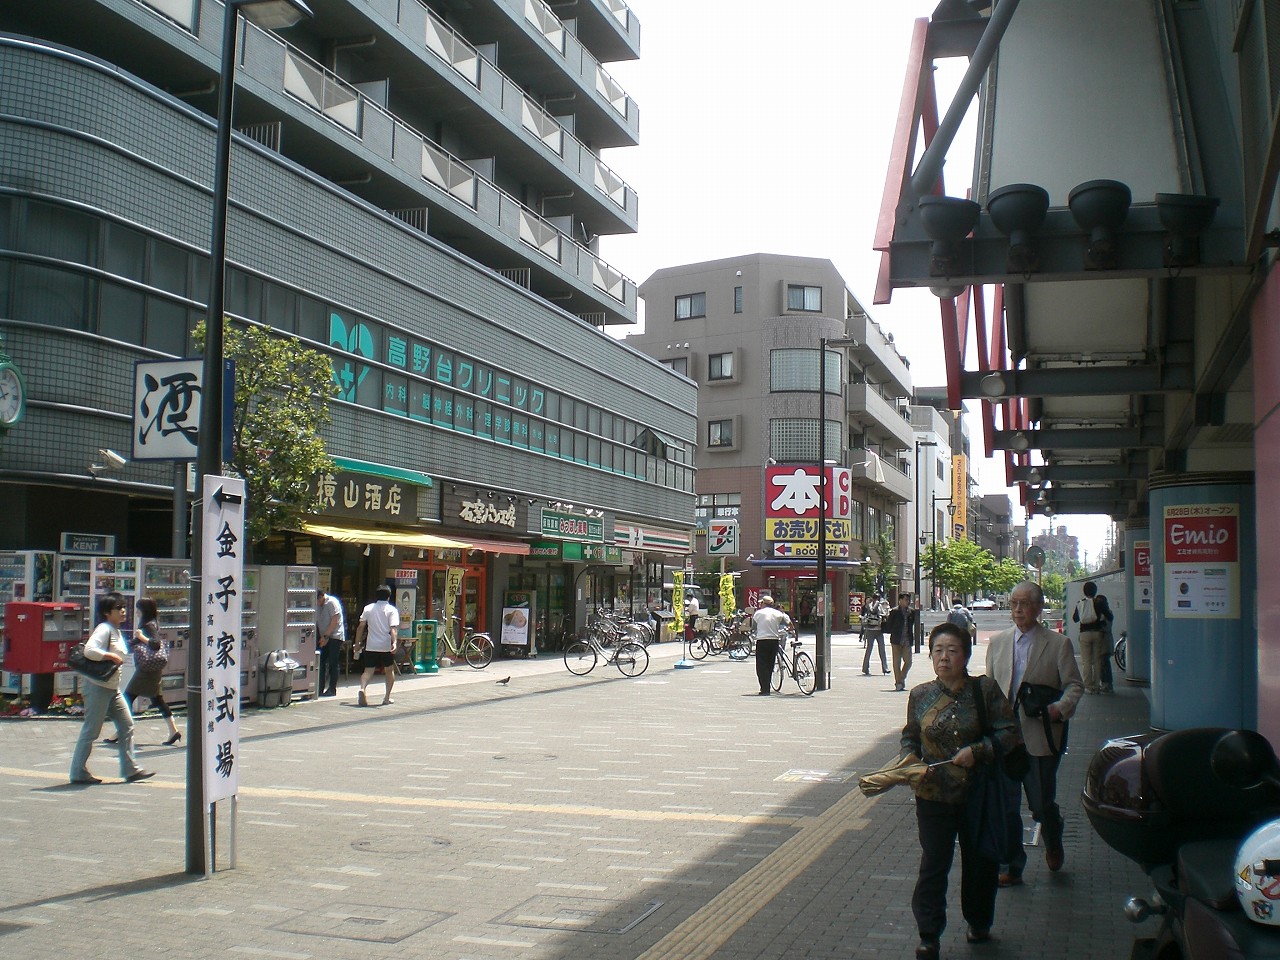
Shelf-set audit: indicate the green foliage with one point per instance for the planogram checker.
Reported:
(963, 567)
(282, 399)
(1054, 586)
(879, 575)
(1005, 575)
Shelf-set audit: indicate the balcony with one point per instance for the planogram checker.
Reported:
(870, 469)
(878, 416)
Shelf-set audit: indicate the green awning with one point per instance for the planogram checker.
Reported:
(382, 470)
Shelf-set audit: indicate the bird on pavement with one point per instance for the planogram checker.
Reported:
(504, 681)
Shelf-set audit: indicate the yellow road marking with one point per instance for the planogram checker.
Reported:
(558, 809)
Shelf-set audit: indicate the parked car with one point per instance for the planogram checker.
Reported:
(986, 603)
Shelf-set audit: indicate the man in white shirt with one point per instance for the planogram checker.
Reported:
(329, 637)
(376, 634)
(691, 612)
(1030, 652)
(771, 626)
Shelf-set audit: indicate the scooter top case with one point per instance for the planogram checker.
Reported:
(1148, 795)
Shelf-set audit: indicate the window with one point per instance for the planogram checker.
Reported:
(720, 433)
(718, 505)
(737, 299)
(720, 366)
(691, 305)
(856, 515)
(804, 298)
(679, 364)
(938, 464)
(796, 369)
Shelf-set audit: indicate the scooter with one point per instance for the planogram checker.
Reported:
(1181, 805)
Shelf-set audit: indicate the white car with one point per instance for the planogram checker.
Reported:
(983, 605)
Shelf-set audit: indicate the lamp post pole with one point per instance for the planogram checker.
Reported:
(822, 649)
(270, 14)
(933, 527)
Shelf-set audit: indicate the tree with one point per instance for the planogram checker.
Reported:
(874, 577)
(1005, 575)
(1054, 586)
(282, 394)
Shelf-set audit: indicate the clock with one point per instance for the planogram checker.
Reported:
(12, 395)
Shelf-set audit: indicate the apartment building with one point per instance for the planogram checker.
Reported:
(417, 190)
(747, 330)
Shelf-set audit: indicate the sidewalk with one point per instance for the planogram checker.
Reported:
(552, 817)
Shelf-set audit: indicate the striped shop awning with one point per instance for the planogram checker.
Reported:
(652, 539)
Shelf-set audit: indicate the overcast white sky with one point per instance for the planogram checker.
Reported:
(766, 127)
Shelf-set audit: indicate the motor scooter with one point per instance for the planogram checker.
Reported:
(1180, 805)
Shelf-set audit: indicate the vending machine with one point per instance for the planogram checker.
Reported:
(287, 620)
(25, 575)
(249, 635)
(168, 583)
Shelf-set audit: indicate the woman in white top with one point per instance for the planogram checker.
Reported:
(103, 699)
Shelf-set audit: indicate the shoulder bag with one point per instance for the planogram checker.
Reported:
(1033, 699)
(100, 670)
(987, 807)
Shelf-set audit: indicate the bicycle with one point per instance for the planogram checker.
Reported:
(581, 657)
(1120, 653)
(797, 664)
(474, 647)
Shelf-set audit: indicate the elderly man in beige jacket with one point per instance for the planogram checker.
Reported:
(1029, 652)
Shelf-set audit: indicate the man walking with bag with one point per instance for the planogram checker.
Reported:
(1094, 615)
(1032, 658)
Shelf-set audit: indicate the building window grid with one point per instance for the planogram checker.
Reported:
(691, 305)
(737, 299)
(720, 433)
(720, 366)
(804, 297)
(795, 370)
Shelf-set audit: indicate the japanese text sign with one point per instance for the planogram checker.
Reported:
(791, 492)
(166, 409)
(364, 496)
(218, 630)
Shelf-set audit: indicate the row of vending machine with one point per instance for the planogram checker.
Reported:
(279, 613)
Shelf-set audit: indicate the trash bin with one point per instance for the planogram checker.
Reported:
(275, 679)
(662, 620)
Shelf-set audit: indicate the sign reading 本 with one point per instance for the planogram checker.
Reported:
(792, 512)
(219, 626)
(1202, 561)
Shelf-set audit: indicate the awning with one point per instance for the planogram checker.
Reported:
(386, 538)
(514, 547)
(804, 563)
(382, 470)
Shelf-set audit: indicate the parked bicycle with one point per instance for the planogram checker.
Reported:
(795, 663)
(473, 647)
(1120, 653)
(581, 656)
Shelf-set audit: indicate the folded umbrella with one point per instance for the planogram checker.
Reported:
(908, 770)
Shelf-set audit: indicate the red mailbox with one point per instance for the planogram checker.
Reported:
(38, 636)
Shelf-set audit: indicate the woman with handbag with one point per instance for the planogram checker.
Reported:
(102, 696)
(149, 660)
(945, 729)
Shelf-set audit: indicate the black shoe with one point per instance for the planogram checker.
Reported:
(140, 775)
(928, 949)
(85, 781)
(764, 693)
(173, 739)
(866, 673)
(974, 935)
(110, 740)
(885, 672)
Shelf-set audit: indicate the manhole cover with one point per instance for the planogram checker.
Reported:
(399, 845)
(360, 921)
(579, 913)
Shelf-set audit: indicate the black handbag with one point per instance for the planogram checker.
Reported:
(1016, 762)
(1034, 699)
(100, 670)
(987, 810)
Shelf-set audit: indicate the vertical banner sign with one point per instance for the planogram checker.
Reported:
(960, 495)
(219, 630)
(728, 603)
(1202, 561)
(452, 590)
(1142, 574)
(677, 600)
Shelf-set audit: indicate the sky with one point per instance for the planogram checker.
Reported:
(765, 128)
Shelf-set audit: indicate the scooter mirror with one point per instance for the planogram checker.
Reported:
(1244, 759)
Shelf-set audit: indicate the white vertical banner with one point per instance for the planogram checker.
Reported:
(219, 632)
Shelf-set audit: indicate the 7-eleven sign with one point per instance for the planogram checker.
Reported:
(722, 538)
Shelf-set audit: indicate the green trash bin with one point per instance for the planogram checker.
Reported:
(425, 631)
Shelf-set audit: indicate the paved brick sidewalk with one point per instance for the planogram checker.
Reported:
(551, 817)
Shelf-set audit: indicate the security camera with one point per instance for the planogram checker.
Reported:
(112, 459)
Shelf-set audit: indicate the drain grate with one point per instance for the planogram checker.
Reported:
(360, 921)
(582, 914)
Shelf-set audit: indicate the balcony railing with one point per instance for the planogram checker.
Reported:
(452, 49)
(386, 135)
(549, 25)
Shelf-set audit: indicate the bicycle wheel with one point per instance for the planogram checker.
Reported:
(716, 640)
(632, 659)
(779, 670)
(806, 676)
(698, 648)
(479, 650)
(580, 658)
(1120, 653)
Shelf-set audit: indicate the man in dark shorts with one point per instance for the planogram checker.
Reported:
(377, 635)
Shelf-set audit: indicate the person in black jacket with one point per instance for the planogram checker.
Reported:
(901, 627)
(1094, 615)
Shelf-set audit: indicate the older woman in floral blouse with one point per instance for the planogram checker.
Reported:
(943, 729)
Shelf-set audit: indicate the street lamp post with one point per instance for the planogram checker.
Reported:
(823, 646)
(270, 15)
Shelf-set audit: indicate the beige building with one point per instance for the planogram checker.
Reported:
(747, 330)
